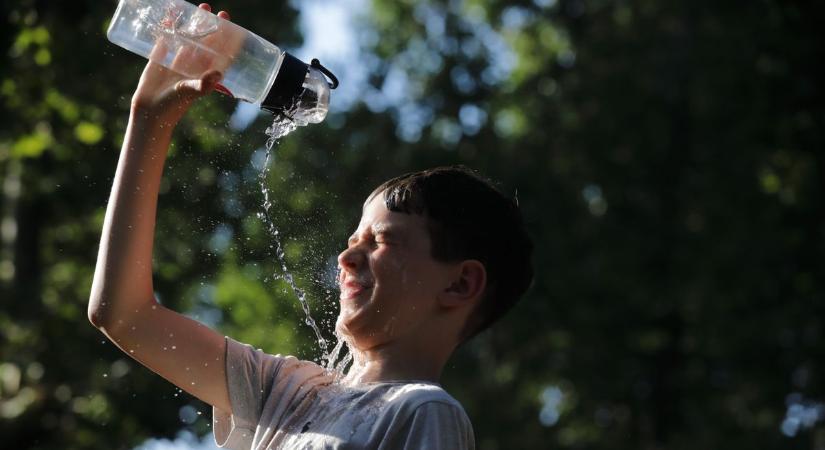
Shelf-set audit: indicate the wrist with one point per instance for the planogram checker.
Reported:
(152, 122)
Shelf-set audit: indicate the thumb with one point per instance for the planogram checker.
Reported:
(194, 88)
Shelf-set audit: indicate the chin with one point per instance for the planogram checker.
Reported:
(358, 335)
(347, 325)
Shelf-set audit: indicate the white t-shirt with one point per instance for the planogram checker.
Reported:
(282, 402)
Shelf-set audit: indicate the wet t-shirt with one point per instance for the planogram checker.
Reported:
(280, 402)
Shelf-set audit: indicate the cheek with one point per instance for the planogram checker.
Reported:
(388, 266)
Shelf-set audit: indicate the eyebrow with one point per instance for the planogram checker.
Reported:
(381, 229)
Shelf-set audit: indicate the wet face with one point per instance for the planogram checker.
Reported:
(389, 281)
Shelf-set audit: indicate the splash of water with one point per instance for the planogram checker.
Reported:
(281, 126)
(336, 362)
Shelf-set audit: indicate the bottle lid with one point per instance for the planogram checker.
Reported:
(289, 84)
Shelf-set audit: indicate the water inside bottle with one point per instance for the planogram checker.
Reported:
(199, 25)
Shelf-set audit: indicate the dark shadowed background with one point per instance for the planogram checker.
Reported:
(668, 157)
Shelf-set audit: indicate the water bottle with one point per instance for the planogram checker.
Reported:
(189, 40)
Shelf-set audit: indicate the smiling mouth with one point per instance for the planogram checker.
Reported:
(352, 290)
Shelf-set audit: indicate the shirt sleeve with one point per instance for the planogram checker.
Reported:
(436, 426)
(250, 375)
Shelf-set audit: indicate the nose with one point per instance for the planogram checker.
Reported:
(352, 258)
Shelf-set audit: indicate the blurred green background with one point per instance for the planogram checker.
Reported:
(668, 157)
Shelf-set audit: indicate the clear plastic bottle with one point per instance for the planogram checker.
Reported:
(190, 40)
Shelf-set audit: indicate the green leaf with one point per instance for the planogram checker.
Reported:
(67, 109)
(43, 57)
(88, 132)
(32, 145)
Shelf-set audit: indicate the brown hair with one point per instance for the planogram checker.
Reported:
(469, 218)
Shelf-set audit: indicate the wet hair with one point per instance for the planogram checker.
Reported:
(469, 218)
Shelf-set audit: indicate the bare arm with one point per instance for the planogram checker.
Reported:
(122, 303)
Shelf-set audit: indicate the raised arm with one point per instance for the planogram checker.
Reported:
(122, 303)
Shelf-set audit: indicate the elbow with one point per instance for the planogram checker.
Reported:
(95, 314)
(99, 310)
(96, 311)
(101, 317)
(95, 317)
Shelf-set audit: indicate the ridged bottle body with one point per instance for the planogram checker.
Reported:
(190, 40)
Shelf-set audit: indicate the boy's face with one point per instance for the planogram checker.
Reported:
(389, 280)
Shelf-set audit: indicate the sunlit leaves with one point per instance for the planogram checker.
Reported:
(14, 399)
(95, 407)
(537, 49)
(511, 122)
(700, 124)
(64, 98)
(68, 109)
(42, 57)
(7, 87)
(88, 132)
(255, 311)
(32, 145)
(37, 37)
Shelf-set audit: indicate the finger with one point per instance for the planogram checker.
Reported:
(188, 62)
(210, 80)
(205, 6)
(194, 88)
(224, 15)
(158, 52)
(190, 89)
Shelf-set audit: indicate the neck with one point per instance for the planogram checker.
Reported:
(396, 361)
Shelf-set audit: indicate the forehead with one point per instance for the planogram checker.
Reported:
(377, 218)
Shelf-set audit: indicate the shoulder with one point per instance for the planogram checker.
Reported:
(414, 395)
(245, 354)
(428, 417)
(428, 405)
(247, 365)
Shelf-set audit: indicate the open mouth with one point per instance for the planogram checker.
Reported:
(351, 289)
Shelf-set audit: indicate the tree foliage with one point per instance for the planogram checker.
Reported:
(667, 157)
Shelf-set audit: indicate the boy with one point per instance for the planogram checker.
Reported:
(436, 258)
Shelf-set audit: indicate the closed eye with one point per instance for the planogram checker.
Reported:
(370, 240)
(379, 238)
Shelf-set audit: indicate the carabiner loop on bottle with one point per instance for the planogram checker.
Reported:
(317, 64)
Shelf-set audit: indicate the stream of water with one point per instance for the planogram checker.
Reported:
(281, 127)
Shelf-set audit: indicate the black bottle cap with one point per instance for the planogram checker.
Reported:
(287, 86)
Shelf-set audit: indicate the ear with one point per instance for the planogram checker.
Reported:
(468, 285)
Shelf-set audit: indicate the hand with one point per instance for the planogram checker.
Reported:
(162, 95)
